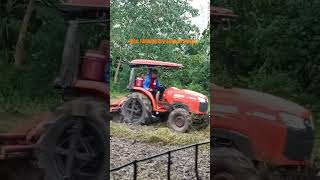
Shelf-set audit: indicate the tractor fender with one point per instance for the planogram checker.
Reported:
(148, 94)
(179, 105)
(96, 89)
(232, 138)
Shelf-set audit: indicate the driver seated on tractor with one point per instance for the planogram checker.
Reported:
(142, 76)
(152, 84)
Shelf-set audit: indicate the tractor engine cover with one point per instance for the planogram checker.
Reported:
(93, 66)
(194, 102)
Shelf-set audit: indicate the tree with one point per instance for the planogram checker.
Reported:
(19, 50)
(158, 19)
(276, 45)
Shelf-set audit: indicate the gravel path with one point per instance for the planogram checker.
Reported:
(124, 151)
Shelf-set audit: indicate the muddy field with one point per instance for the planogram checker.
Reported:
(124, 151)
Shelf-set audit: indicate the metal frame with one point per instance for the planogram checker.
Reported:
(168, 153)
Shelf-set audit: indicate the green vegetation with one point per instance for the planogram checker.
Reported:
(276, 50)
(158, 133)
(158, 20)
(11, 121)
(115, 94)
(28, 87)
(275, 46)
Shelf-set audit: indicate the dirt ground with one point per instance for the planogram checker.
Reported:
(182, 164)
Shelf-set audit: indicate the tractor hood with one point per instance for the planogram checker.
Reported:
(246, 98)
(193, 93)
(195, 102)
(184, 93)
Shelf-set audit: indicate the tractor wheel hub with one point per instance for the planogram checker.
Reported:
(179, 121)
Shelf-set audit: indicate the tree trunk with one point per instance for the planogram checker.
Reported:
(117, 71)
(19, 50)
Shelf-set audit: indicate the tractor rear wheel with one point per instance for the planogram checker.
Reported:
(74, 142)
(179, 120)
(137, 109)
(230, 164)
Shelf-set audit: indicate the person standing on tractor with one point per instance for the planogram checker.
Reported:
(152, 84)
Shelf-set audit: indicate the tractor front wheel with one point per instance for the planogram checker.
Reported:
(136, 109)
(179, 120)
(230, 164)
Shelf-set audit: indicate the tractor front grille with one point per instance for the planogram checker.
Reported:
(203, 106)
(299, 144)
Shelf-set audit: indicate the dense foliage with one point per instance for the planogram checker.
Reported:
(272, 46)
(29, 88)
(169, 19)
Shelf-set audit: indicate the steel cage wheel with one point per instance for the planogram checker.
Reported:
(133, 109)
(137, 109)
(74, 147)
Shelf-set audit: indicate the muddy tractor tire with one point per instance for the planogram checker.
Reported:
(74, 143)
(230, 164)
(137, 109)
(179, 120)
(200, 123)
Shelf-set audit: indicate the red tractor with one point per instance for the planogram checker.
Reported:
(71, 141)
(254, 134)
(180, 107)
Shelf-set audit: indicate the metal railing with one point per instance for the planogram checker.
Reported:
(169, 154)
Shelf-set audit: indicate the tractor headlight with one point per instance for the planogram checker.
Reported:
(293, 121)
(202, 100)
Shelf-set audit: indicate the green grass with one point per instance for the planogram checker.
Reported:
(158, 133)
(116, 94)
(15, 111)
(19, 103)
(10, 121)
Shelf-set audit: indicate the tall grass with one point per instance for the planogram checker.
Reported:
(158, 133)
(27, 90)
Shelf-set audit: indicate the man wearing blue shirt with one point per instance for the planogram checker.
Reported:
(152, 84)
(107, 74)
